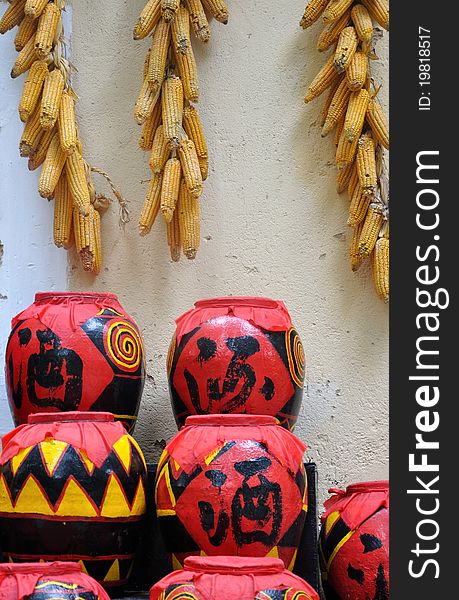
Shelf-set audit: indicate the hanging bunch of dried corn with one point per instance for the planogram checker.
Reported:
(361, 130)
(50, 139)
(171, 128)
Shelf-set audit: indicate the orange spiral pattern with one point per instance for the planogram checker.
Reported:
(124, 345)
(296, 358)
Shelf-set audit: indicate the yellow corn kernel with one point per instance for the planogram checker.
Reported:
(381, 268)
(323, 80)
(160, 151)
(312, 12)
(343, 177)
(26, 30)
(158, 56)
(328, 101)
(85, 239)
(52, 168)
(356, 72)
(188, 74)
(146, 63)
(169, 9)
(366, 164)
(355, 115)
(32, 89)
(151, 205)
(359, 206)
(146, 102)
(149, 18)
(356, 259)
(337, 107)
(195, 131)
(335, 10)
(12, 16)
(190, 167)
(199, 20)
(24, 59)
(346, 151)
(363, 25)
(217, 9)
(46, 30)
(370, 230)
(63, 213)
(172, 104)
(67, 125)
(379, 10)
(189, 216)
(181, 30)
(345, 48)
(378, 122)
(34, 8)
(204, 167)
(173, 237)
(78, 183)
(31, 135)
(170, 188)
(51, 98)
(339, 130)
(353, 181)
(97, 265)
(38, 155)
(332, 31)
(149, 127)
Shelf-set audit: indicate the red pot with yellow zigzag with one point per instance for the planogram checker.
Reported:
(232, 485)
(72, 487)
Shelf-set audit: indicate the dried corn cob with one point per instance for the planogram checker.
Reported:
(150, 126)
(97, 242)
(173, 237)
(359, 206)
(199, 20)
(26, 30)
(366, 164)
(345, 48)
(146, 102)
(332, 32)
(353, 181)
(379, 10)
(67, 125)
(34, 8)
(181, 30)
(46, 30)
(363, 25)
(378, 123)
(335, 9)
(218, 9)
(337, 108)
(346, 151)
(38, 154)
(85, 239)
(194, 130)
(148, 19)
(31, 134)
(190, 167)
(356, 258)
(12, 16)
(24, 59)
(189, 74)
(189, 221)
(324, 79)
(312, 12)
(172, 104)
(204, 167)
(51, 98)
(326, 106)
(343, 177)
(151, 205)
(52, 168)
(63, 213)
(146, 63)
(355, 115)
(170, 188)
(339, 130)
(78, 183)
(370, 230)
(357, 71)
(169, 9)
(381, 268)
(32, 89)
(160, 151)
(158, 56)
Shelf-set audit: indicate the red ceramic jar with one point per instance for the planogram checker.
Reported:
(215, 578)
(232, 485)
(236, 355)
(71, 351)
(354, 541)
(48, 581)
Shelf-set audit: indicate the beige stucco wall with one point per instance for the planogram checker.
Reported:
(272, 221)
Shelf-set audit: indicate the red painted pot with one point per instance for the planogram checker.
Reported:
(72, 487)
(236, 355)
(233, 485)
(48, 581)
(354, 541)
(232, 577)
(71, 351)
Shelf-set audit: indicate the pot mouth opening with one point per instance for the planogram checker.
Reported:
(90, 296)
(70, 417)
(239, 420)
(254, 301)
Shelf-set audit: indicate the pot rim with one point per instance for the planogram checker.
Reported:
(40, 296)
(229, 420)
(368, 486)
(255, 301)
(236, 564)
(70, 416)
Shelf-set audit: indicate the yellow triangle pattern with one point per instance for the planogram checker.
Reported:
(176, 564)
(20, 457)
(114, 504)
(113, 573)
(52, 450)
(83, 567)
(273, 553)
(5, 502)
(75, 502)
(331, 520)
(292, 562)
(87, 463)
(139, 506)
(31, 499)
(139, 450)
(122, 449)
(202, 553)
